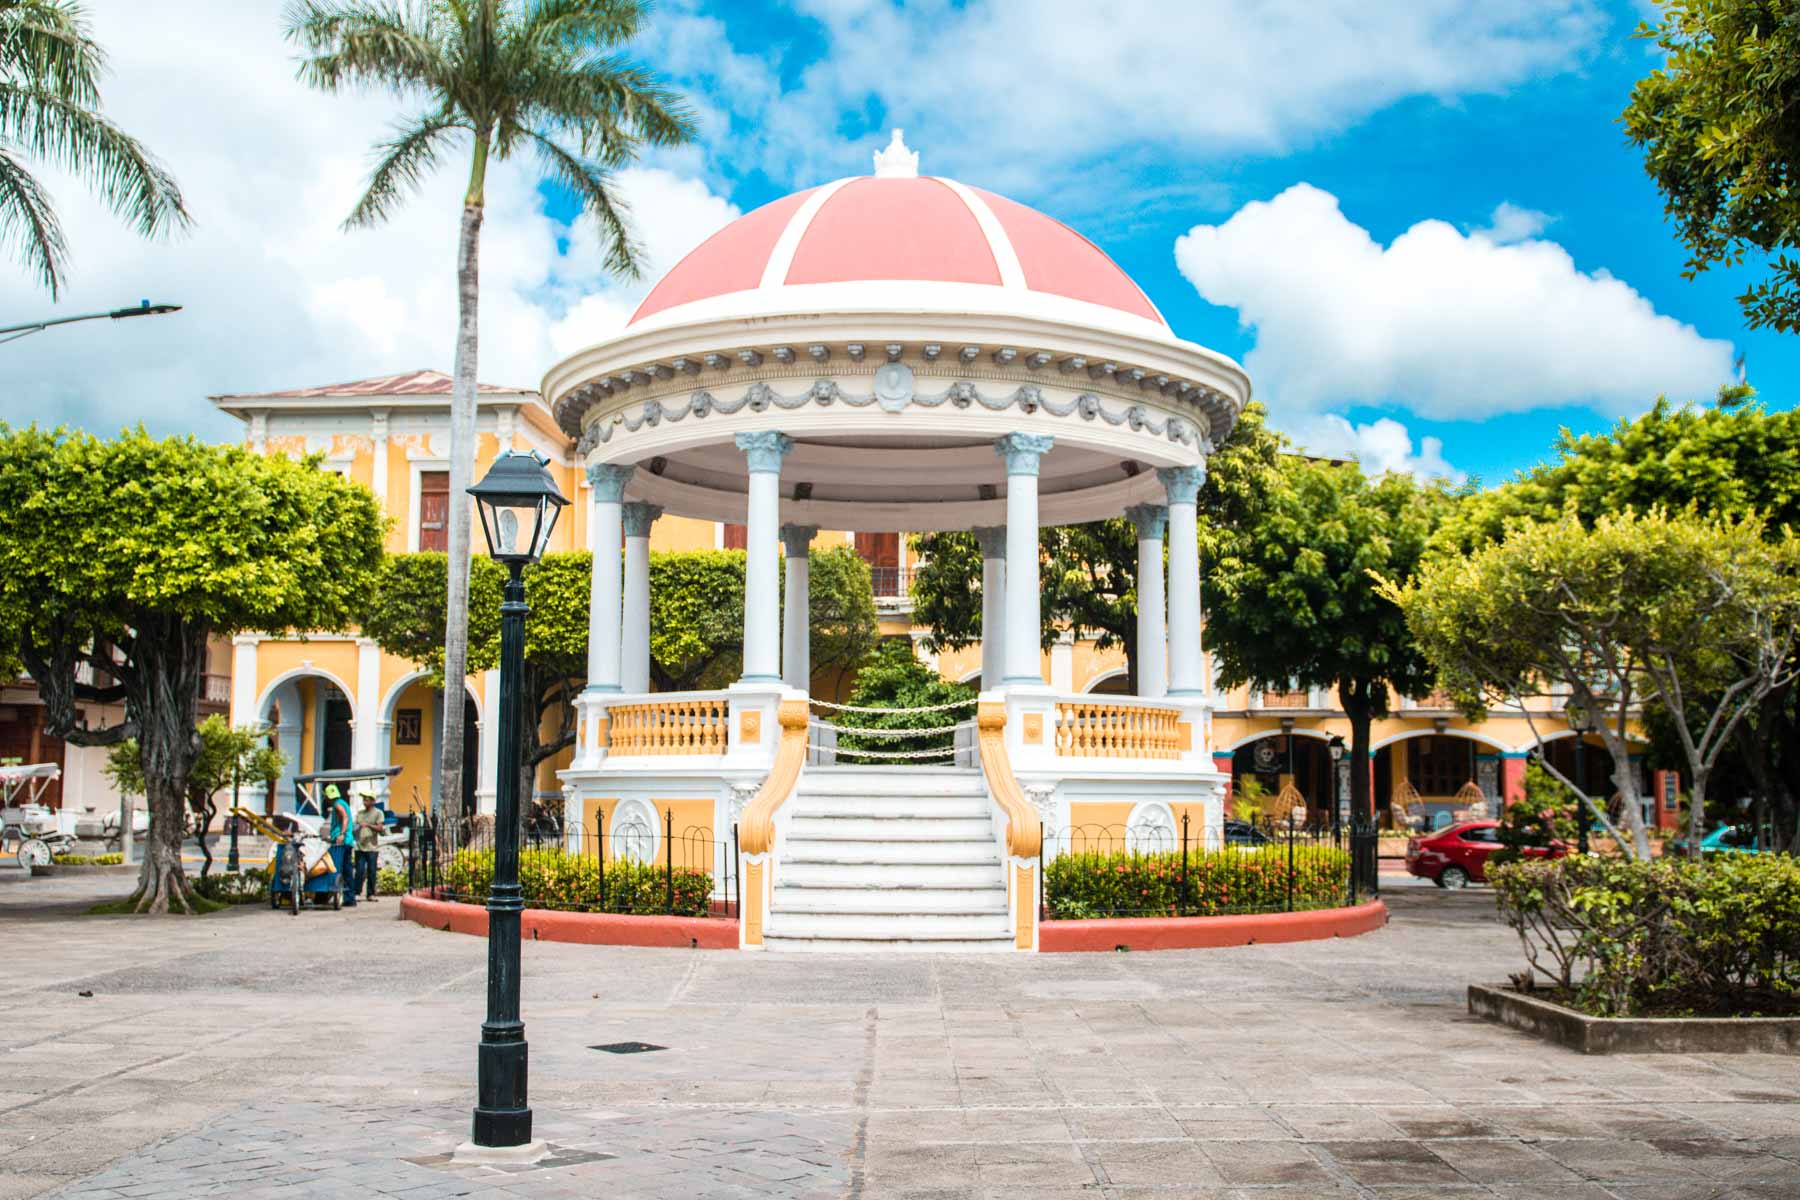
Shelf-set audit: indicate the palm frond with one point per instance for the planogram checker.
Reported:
(28, 224)
(404, 161)
(576, 23)
(592, 185)
(612, 104)
(368, 43)
(81, 141)
(45, 44)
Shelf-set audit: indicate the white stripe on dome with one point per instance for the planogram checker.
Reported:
(788, 244)
(1012, 275)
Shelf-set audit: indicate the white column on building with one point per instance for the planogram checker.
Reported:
(1186, 677)
(1022, 453)
(992, 539)
(243, 679)
(796, 613)
(606, 598)
(364, 750)
(763, 453)
(1152, 645)
(634, 671)
(1062, 662)
(378, 432)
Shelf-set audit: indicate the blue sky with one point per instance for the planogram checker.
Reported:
(1417, 223)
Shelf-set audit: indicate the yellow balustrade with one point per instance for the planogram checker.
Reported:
(697, 726)
(1091, 729)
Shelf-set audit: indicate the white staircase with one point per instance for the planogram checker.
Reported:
(889, 858)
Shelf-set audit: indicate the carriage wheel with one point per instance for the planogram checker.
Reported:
(33, 852)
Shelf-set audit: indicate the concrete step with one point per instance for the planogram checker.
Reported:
(837, 873)
(821, 944)
(801, 898)
(837, 826)
(868, 926)
(942, 851)
(808, 804)
(880, 781)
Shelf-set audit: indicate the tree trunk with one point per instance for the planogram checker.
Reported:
(462, 471)
(1354, 696)
(169, 661)
(1626, 782)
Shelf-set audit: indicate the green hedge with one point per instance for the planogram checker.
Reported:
(88, 860)
(556, 879)
(1667, 936)
(1094, 884)
(250, 886)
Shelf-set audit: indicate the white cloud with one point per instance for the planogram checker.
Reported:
(1012, 91)
(276, 294)
(1446, 324)
(1510, 223)
(1380, 446)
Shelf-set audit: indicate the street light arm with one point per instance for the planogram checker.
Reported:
(10, 333)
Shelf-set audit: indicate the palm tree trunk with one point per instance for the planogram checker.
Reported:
(462, 471)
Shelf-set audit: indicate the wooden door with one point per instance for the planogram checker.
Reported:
(882, 552)
(434, 510)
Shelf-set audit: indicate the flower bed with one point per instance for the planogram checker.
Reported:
(1099, 884)
(1612, 937)
(561, 882)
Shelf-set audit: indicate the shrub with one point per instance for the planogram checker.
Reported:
(893, 678)
(389, 882)
(556, 879)
(248, 886)
(1546, 813)
(1623, 937)
(1093, 884)
(88, 860)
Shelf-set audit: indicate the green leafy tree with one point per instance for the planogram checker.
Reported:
(50, 72)
(1544, 816)
(120, 559)
(227, 756)
(895, 678)
(1295, 604)
(841, 609)
(1088, 572)
(1720, 137)
(1631, 609)
(696, 619)
(501, 77)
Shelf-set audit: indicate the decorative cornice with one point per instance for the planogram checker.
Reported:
(608, 481)
(797, 539)
(1027, 398)
(639, 517)
(1182, 483)
(1150, 520)
(1023, 451)
(764, 450)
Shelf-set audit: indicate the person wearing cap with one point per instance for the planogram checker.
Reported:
(338, 836)
(371, 822)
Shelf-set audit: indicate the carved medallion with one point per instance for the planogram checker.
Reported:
(893, 386)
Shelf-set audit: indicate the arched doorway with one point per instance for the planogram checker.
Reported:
(1275, 759)
(411, 736)
(311, 718)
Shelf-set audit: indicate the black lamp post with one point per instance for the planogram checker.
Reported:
(1581, 721)
(519, 503)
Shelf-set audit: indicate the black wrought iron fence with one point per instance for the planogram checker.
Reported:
(1112, 870)
(634, 869)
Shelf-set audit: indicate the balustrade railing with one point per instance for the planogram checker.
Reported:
(684, 725)
(1091, 729)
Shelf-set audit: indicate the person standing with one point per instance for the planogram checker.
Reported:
(338, 836)
(371, 822)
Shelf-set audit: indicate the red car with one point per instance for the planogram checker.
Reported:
(1457, 856)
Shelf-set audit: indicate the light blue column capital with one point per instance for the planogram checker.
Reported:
(1182, 483)
(797, 539)
(639, 517)
(764, 450)
(1150, 520)
(991, 539)
(1022, 451)
(608, 481)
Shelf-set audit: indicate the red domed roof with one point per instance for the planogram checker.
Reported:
(899, 240)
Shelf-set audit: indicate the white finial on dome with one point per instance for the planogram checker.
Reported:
(897, 162)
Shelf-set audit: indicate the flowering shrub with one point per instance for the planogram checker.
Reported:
(1622, 937)
(556, 879)
(1102, 884)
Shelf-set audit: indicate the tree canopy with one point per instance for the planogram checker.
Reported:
(119, 560)
(1719, 125)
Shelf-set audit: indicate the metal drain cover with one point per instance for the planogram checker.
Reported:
(627, 1048)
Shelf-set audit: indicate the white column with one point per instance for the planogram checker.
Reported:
(992, 539)
(1185, 674)
(488, 779)
(243, 678)
(1022, 452)
(1062, 662)
(762, 593)
(634, 671)
(1152, 646)
(378, 431)
(796, 613)
(606, 600)
(363, 748)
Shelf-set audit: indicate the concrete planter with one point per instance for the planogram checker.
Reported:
(1634, 1035)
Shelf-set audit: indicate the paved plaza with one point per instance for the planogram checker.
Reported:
(256, 1054)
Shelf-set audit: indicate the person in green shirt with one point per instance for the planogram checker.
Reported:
(338, 836)
(371, 823)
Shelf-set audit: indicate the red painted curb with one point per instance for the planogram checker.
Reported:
(1196, 933)
(588, 929)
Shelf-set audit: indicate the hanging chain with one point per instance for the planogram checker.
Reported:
(930, 709)
(869, 731)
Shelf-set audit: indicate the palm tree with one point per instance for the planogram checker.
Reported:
(500, 77)
(50, 111)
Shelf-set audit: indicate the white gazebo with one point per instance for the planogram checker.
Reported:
(896, 353)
